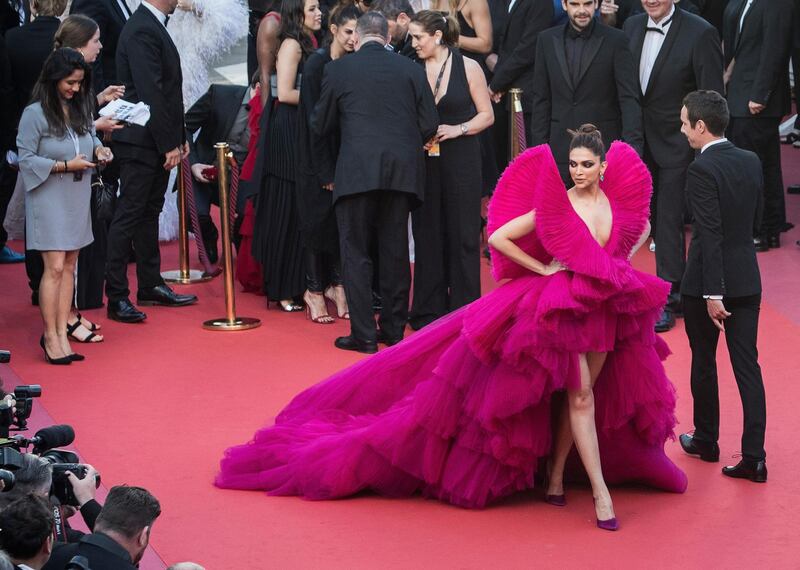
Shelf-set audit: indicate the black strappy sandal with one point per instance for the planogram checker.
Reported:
(88, 339)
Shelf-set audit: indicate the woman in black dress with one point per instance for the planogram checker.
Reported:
(276, 237)
(316, 164)
(447, 226)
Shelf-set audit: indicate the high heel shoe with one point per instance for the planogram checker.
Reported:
(290, 307)
(608, 524)
(331, 296)
(75, 357)
(556, 500)
(58, 361)
(324, 319)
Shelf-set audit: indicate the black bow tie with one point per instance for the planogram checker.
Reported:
(657, 30)
(661, 29)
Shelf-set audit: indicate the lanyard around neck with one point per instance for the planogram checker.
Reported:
(441, 75)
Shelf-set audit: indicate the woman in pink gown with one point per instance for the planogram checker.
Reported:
(462, 410)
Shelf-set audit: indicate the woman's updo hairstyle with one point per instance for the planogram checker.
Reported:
(589, 137)
(75, 32)
(433, 21)
(343, 13)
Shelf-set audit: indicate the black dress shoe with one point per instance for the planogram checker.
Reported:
(124, 312)
(666, 321)
(761, 244)
(163, 295)
(383, 339)
(756, 471)
(774, 241)
(350, 342)
(706, 450)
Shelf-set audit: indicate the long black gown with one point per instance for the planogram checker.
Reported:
(489, 170)
(447, 225)
(276, 237)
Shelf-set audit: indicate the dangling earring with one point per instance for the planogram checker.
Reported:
(438, 42)
(602, 178)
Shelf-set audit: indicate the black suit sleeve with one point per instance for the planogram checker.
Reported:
(510, 67)
(147, 73)
(323, 155)
(704, 199)
(542, 104)
(325, 117)
(707, 62)
(627, 78)
(98, 12)
(90, 511)
(7, 102)
(777, 31)
(197, 117)
(427, 115)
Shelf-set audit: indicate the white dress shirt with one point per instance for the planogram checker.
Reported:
(712, 143)
(653, 40)
(160, 16)
(744, 13)
(126, 11)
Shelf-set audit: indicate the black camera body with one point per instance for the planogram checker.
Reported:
(10, 461)
(24, 396)
(62, 488)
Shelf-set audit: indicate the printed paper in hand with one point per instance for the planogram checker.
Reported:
(132, 113)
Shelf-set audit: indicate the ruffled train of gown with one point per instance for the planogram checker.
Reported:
(461, 411)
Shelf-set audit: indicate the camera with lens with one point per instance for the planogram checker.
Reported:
(18, 420)
(10, 461)
(64, 462)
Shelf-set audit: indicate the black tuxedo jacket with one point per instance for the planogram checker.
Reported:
(690, 59)
(8, 102)
(607, 93)
(100, 550)
(383, 107)
(28, 47)
(761, 51)
(149, 66)
(213, 115)
(516, 49)
(110, 18)
(724, 190)
(9, 17)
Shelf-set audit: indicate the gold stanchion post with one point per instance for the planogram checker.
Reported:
(184, 275)
(230, 322)
(515, 108)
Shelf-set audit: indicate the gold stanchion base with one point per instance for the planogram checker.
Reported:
(179, 277)
(238, 324)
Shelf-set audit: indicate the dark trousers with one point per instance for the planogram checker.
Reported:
(323, 270)
(760, 135)
(143, 182)
(8, 180)
(741, 333)
(379, 216)
(447, 271)
(667, 214)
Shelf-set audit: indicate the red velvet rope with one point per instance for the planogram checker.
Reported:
(519, 122)
(186, 171)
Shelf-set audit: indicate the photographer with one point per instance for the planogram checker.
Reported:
(26, 531)
(121, 534)
(36, 477)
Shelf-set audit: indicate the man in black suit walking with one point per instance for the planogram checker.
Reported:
(584, 74)
(757, 39)
(220, 115)
(379, 173)
(110, 16)
(512, 62)
(149, 66)
(677, 53)
(722, 285)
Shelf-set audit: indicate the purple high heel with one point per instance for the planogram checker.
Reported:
(610, 524)
(556, 500)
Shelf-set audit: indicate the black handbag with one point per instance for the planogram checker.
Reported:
(104, 198)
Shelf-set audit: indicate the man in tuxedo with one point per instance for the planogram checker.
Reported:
(512, 62)
(121, 533)
(398, 15)
(27, 531)
(677, 53)
(379, 173)
(149, 66)
(14, 13)
(221, 114)
(584, 74)
(722, 285)
(110, 16)
(757, 38)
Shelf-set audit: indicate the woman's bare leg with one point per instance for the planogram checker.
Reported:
(564, 439)
(584, 430)
(49, 300)
(66, 295)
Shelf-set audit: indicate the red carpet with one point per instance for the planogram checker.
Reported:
(156, 404)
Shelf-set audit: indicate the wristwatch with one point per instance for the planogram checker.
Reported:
(464, 129)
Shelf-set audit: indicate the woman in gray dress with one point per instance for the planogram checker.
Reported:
(55, 140)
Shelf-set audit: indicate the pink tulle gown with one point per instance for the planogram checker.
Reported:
(461, 411)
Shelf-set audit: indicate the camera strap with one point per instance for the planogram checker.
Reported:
(59, 532)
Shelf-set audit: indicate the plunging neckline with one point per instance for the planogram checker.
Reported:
(586, 226)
